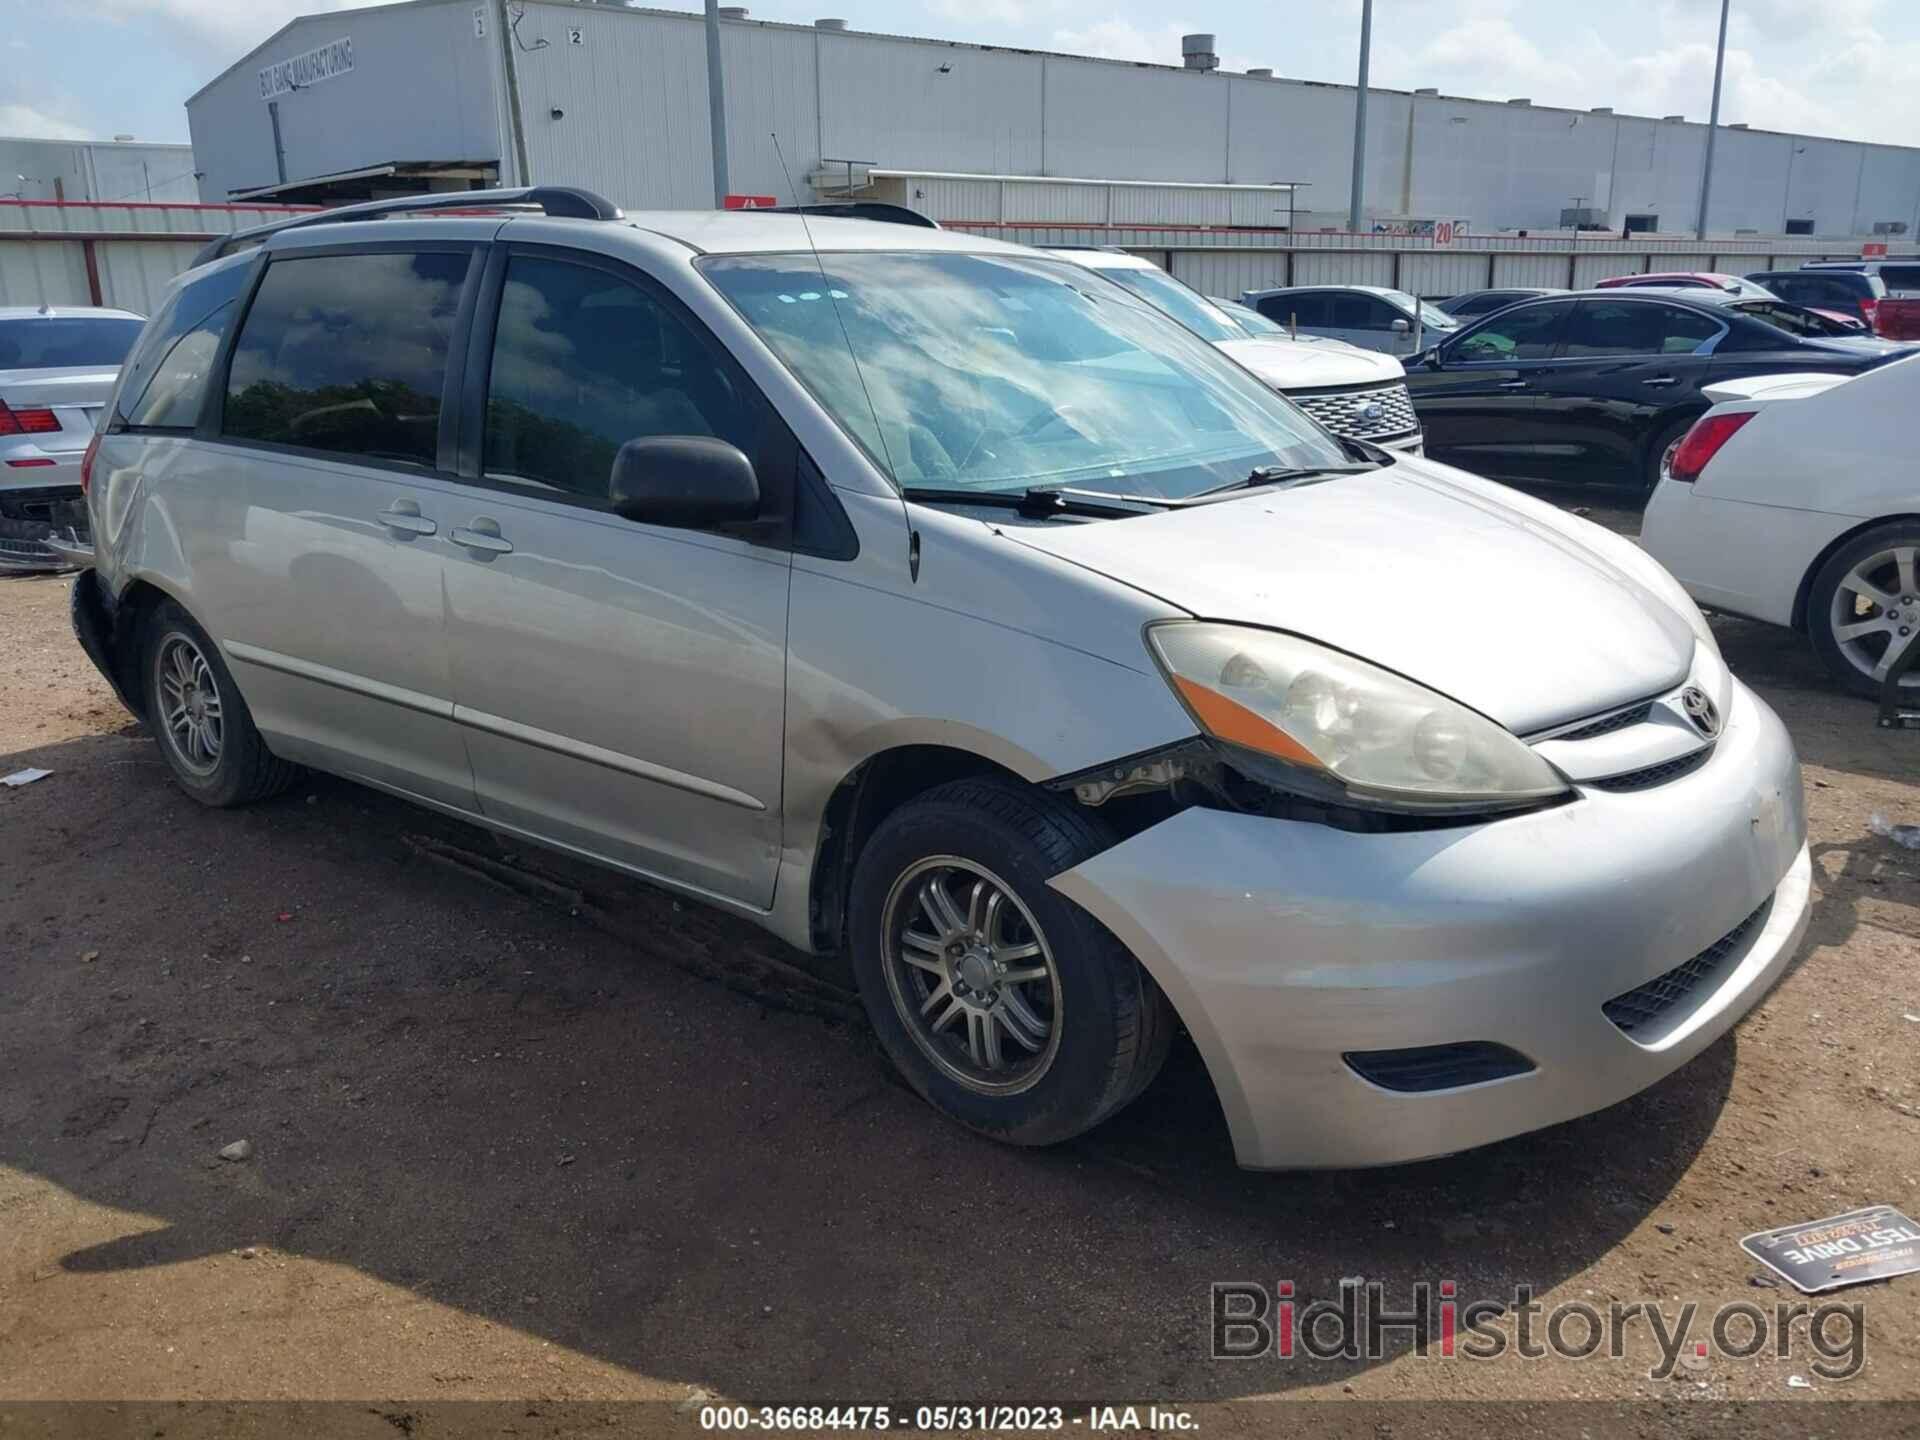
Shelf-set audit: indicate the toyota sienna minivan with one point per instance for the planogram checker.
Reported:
(938, 601)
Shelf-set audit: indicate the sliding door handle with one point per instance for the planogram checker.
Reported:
(404, 517)
(483, 537)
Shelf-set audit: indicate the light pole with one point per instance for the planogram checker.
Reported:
(1713, 122)
(717, 106)
(1360, 119)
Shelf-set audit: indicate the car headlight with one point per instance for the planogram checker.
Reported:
(1327, 726)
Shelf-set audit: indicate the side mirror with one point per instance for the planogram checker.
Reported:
(1400, 327)
(1430, 358)
(683, 480)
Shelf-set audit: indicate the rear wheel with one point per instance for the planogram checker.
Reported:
(194, 709)
(1004, 1004)
(1660, 454)
(1863, 609)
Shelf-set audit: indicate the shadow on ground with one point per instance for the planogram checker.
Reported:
(541, 1109)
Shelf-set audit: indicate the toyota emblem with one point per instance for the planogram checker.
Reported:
(1700, 710)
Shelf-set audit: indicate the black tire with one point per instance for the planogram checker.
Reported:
(1823, 593)
(242, 769)
(1668, 437)
(1113, 1024)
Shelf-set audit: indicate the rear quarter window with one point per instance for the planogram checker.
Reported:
(165, 379)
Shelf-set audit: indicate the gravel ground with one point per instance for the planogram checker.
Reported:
(525, 1130)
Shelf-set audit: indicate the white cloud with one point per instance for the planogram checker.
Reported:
(28, 123)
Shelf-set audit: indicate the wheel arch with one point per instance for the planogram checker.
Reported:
(1803, 593)
(130, 609)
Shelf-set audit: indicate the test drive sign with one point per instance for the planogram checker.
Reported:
(750, 202)
(1872, 1244)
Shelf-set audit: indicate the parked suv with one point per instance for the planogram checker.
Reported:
(1370, 316)
(1850, 292)
(1358, 394)
(906, 594)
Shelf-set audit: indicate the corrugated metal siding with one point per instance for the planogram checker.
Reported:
(1529, 270)
(1587, 269)
(134, 273)
(1067, 203)
(43, 272)
(1439, 274)
(1144, 124)
(953, 199)
(1352, 268)
(885, 102)
(1227, 273)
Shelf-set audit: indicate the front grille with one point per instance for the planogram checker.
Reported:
(1437, 1067)
(1644, 1006)
(1346, 412)
(1661, 774)
(1593, 729)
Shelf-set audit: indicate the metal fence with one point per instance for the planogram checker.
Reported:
(68, 253)
(1221, 261)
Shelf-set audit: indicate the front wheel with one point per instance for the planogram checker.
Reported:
(1004, 1004)
(1863, 608)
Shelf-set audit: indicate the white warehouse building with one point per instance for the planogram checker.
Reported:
(411, 96)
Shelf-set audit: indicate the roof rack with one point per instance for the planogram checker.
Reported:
(561, 201)
(860, 210)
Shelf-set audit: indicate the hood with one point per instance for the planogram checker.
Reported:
(1296, 365)
(1416, 568)
(79, 385)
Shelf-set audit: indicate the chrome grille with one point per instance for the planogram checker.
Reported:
(1645, 1005)
(1361, 414)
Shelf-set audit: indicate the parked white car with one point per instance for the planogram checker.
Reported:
(1357, 394)
(57, 365)
(1793, 501)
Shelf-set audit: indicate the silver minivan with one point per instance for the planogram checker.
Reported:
(939, 602)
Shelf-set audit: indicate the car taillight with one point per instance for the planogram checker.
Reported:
(86, 463)
(27, 422)
(1703, 442)
(1870, 311)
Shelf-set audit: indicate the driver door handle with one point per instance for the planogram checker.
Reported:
(1512, 385)
(404, 517)
(483, 537)
(1658, 380)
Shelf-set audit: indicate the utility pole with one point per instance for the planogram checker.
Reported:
(1713, 123)
(717, 105)
(1360, 120)
(510, 63)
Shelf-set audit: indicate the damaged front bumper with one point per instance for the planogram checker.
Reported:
(1355, 995)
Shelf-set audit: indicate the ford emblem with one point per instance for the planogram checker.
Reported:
(1374, 410)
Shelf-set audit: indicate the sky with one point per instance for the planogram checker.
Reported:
(79, 69)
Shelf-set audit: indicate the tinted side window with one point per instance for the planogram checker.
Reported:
(1601, 327)
(1307, 310)
(1364, 312)
(1901, 277)
(166, 376)
(583, 362)
(347, 353)
(1524, 334)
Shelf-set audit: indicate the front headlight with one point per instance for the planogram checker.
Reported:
(1330, 727)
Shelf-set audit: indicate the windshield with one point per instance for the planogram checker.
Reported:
(1169, 296)
(1247, 318)
(61, 341)
(1431, 316)
(1004, 372)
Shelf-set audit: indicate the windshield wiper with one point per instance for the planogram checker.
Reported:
(1285, 475)
(1038, 503)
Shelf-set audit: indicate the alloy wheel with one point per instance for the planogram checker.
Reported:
(190, 712)
(1875, 615)
(971, 975)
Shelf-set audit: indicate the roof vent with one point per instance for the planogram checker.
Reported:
(1522, 100)
(1603, 109)
(1261, 72)
(1428, 90)
(1196, 52)
(832, 23)
(733, 12)
(1673, 117)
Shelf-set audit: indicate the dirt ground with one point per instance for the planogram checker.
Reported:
(525, 1130)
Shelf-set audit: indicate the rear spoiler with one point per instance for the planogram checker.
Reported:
(562, 201)
(861, 210)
